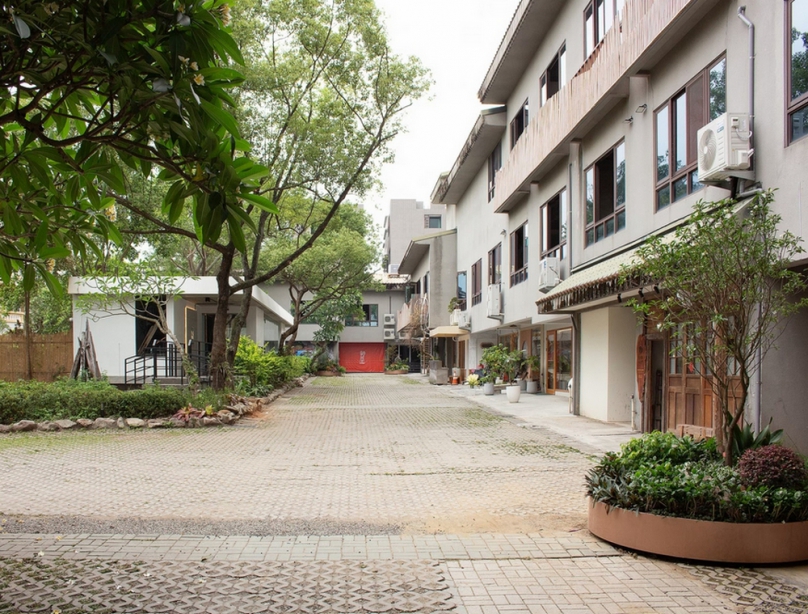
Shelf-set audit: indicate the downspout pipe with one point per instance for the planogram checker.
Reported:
(757, 381)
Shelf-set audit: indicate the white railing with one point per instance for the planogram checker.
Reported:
(641, 23)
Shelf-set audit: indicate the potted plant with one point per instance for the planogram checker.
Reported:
(397, 367)
(534, 366)
(454, 304)
(675, 496)
(513, 365)
(487, 381)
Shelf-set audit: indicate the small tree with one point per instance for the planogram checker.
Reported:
(725, 289)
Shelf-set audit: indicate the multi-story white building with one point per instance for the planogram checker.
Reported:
(590, 148)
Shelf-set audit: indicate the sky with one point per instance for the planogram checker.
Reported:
(456, 40)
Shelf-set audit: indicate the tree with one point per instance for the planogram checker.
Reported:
(338, 264)
(86, 85)
(322, 101)
(725, 290)
(330, 318)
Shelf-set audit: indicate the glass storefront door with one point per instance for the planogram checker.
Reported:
(559, 360)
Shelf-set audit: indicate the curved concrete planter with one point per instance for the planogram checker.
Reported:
(397, 372)
(701, 540)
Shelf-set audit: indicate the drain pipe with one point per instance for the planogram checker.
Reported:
(751, 26)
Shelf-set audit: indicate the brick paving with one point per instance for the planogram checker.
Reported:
(489, 517)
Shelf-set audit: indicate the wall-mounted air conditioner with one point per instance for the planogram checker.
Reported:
(494, 304)
(389, 334)
(464, 320)
(454, 317)
(724, 147)
(549, 274)
(389, 319)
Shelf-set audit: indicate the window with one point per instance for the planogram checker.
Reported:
(495, 265)
(519, 123)
(797, 69)
(477, 283)
(370, 317)
(425, 283)
(554, 77)
(599, 17)
(606, 195)
(519, 255)
(461, 290)
(676, 127)
(432, 221)
(494, 164)
(554, 227)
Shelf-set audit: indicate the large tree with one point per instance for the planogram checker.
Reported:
(726, 286)
(322, 101)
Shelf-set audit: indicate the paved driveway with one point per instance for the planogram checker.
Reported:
(356, 494)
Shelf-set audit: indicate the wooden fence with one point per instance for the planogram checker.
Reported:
(52, 356)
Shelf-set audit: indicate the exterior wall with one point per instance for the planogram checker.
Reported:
(623, 331)
(442, 278)
(113, 335)
(405, 222)
(388, 302)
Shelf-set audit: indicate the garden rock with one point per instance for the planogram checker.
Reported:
(211, 421)
(226, 417)
(84, 423)
(65, 425)
(4, 428)
(104, 423)
(121, 423)
(23, 425)
(47, 426)
(135, 423)
(155, 424)
(177, 423)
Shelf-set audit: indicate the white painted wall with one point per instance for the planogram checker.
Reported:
(113, 336)
(594, 376)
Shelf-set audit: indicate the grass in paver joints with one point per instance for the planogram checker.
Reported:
(409, 380)
(526, 448)
(41, 442)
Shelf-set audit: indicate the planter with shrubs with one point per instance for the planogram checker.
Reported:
(674, 496)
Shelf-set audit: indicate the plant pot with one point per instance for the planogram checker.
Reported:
(396, 372)
(514, 392)
(327, 373)
(523, 385)
(701, 540)
(532, 387)
(488, 389)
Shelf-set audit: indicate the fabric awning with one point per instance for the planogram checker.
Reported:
(449, 331)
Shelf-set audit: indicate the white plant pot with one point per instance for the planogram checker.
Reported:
(488, 388)
(532, 387)
(513, 392)
(523, 385)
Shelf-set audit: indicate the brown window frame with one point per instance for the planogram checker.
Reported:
(519, 275)
(544, 81)
(697, 115)
(593, 5)
(600, 221)
(801, 102)
(494, 164)
(520, 122)
(477, 283)
(495, 265)
(559, 248)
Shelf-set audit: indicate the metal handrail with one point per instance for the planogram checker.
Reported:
(166, 362)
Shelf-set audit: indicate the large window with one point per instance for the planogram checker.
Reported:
(797, 69)
(554, 77)
(676, 126)
(461, 290)
(554, 227)
(606, 195)
(432, 221)
(370, 317)
(495, 265)
(494, 164)
(599, 17)
(519, 255)
(477, 283)
(519, 123)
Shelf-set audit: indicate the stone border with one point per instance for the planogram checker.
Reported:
(244, 406)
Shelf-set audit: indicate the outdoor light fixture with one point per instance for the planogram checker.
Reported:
(628, 120)
(641, 109)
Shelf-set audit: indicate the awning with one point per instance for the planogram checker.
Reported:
(449, 331)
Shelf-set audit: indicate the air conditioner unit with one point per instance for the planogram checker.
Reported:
(548, 274)
(389, 319)
(494, 305)
(389, 334)
(454, 317)
(724, 147)
(464, 320)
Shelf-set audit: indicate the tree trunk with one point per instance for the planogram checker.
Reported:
(219, 367)
(237, 324)
(29, 340)
(288, 338)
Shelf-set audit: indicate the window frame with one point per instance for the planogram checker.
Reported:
(428, 217)
(559, 250)
(544, 79)
(369, 321)
(616, 6)
(495, 265)
(616, 211)
(477, 282)
(494, 164)
(519, 275)
(464, 290)
(800, 103)
(520, 121)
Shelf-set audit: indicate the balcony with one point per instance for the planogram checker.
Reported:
(646, 30)
(413, 317)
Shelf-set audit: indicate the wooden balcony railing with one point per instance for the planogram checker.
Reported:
(641, 24)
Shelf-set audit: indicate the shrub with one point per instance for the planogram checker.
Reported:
(264, 371)
(773, 466)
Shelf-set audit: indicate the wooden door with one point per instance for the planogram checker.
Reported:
(550, 384)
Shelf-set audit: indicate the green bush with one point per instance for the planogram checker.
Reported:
(677, 476)
(263, 371)
(41, 401)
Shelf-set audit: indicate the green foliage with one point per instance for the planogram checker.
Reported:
(672, 476)
(397, 365)
(744, 439)
(70, 399)
(773, 466)
(500, 361)
(264, 371)
(726, 288)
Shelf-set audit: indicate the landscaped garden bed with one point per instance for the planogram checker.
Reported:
(674, 496)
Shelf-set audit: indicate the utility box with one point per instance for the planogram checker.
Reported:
(438, 374)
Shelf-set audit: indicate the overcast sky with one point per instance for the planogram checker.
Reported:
(456, 40)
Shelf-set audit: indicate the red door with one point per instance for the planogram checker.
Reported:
(362, 357)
